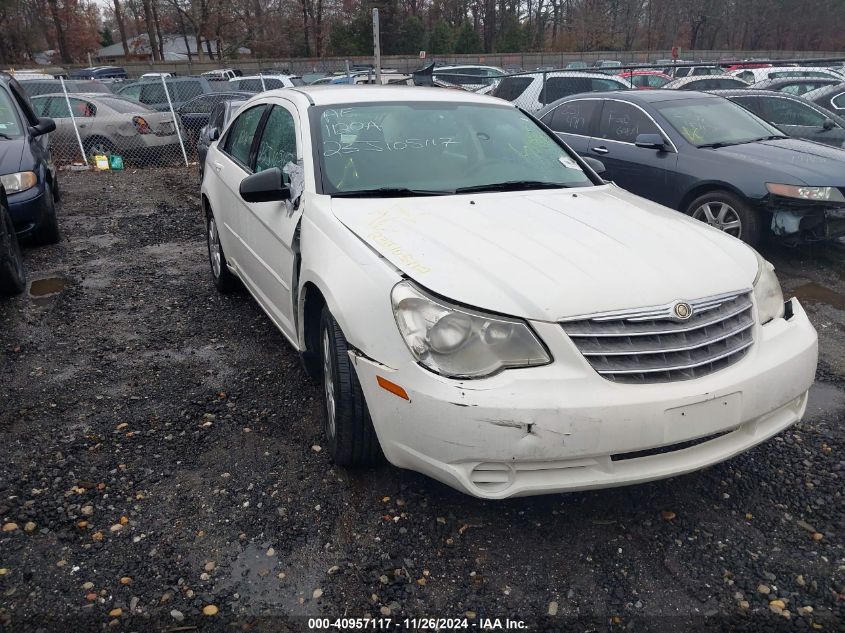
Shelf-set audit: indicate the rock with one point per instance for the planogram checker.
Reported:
(116, 613)
(4, 571)
(10, 527)
(317, 594)
(124, 520)
(817, 536)
(133, 604)
(204, 576)
(90, 597)
(385, 610)
(30, 527)
(805, 526)
(177, 615)
(87, 510)
(126, 580)
(780, 604)
(764, 589)
(210, 610)
(667, 515)
(117, 527)
(743, 604)
(383, 579)
(209, 566)
(470, 615)
(553, 608)
(799, 580)
(97, 536)
(333, 570)
(316, 448)
(271, 552)
(88, 585)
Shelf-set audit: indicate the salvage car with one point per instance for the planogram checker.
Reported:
(830, 97)
(795, 85)
(217, 122)
(481, 307)
(646, 79)
(709, 158)
(792, 115)
(108, 124)
(195, 113)
(755, 75)
(530, 92)
(712, 82)
(151, 92)
(27, 172)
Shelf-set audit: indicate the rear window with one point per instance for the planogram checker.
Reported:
(124, 106)
(186, 90)
(558, 87)
(297, 81)
(511, 88)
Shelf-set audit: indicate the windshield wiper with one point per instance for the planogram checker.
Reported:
(389, 192)
(5, 136)
(750, 140)
(513, 185)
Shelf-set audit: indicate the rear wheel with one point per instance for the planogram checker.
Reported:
(12, 272)
(728, 213)
(349, 430)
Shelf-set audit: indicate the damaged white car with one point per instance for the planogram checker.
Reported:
(482, 308)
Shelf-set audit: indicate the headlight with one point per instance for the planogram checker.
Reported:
(767, 292)
(813, 194)
(459, 342)
(15, 183)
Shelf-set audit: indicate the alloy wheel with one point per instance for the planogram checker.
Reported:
(214, 247)
(720, 215)
(328, 383)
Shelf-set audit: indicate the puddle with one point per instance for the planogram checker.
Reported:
(816, 293)
(41, 288)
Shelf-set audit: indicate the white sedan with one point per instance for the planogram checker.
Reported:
(481, 307)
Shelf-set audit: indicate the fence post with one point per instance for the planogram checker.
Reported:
(175, 120)
(543, 90)
(73, 121)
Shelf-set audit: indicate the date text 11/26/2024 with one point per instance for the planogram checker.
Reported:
(415, 624)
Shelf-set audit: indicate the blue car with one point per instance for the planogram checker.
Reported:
(710, 158)
(27, 174)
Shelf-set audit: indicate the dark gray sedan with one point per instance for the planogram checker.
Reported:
(710, 158)
(217, 122)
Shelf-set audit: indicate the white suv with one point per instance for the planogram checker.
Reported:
(481, 307)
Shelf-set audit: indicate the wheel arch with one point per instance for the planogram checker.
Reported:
(706, 187)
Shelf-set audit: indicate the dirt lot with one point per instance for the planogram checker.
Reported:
(161, 454)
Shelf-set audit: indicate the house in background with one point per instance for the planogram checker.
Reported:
(175, 49)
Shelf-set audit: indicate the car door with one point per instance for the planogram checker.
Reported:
(645, 172)
(63, 140)
(573, 122)
(271, 226)
(227, 165)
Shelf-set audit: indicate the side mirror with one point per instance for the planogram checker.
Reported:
(265, 186)
(595, 164)
(650, 141)
(213, 134)
(46, 125)
(828, 124)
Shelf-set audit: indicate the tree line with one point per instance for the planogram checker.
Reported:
(315, 28)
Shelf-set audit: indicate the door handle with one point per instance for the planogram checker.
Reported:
(600, 150)
(217, 166)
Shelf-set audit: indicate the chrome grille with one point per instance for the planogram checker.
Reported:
(651, 345)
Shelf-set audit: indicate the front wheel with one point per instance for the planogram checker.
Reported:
(728, 213)
(48, 231)
(349, 431)
(12, 273)
(223, 278)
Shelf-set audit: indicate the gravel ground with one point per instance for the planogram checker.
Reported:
(161, 470)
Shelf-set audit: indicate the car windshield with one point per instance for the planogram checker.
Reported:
(437, 148)
(10, 125)
(715, 122)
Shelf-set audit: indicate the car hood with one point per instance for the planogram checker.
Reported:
(10, 155)
(790, 159)
(546, 255)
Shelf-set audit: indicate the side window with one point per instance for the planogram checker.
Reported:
(40, 106)
(278, 142)
(133, 92)
(153, 92)
(755, 104)
(599, 85)
(186, 90)
(746, 75)
(838, 101)
(786, 112)
(623, 122)
(239, 138)
(681, 72)
(57, 108)
(574, 117)
(216, 118)
(558, 87)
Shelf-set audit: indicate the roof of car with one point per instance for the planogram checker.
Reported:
(346, 93)
(683, 81)
(646, 96)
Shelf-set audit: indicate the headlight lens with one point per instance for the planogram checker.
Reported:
(813, 194)
(767, 292)
(21, 181)
(458, 342)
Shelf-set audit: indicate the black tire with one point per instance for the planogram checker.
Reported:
(349, 431)
(12, 271)
(728, 213)
(223, 278)
(48, 231)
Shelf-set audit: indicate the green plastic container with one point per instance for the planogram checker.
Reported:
(115, 161)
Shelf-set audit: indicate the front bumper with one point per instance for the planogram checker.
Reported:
(27, 208)
(562, 427)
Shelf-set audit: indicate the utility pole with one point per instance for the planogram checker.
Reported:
(376, 46)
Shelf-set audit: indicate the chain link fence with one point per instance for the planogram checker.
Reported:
(165, 121)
